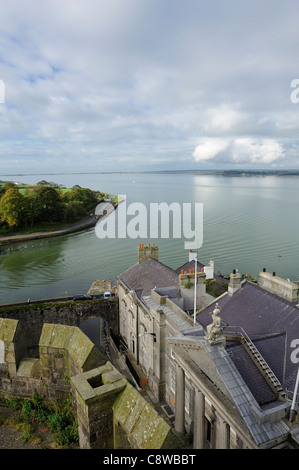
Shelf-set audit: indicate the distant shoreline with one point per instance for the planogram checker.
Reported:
(194, 171)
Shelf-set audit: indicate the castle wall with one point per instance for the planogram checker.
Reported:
(70, 363)
(63, 351)
(32, 317)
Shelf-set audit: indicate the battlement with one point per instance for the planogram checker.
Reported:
(70, 362)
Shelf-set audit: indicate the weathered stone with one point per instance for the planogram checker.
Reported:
(110, 411)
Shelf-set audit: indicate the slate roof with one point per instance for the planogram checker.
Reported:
(143, 277)
(250, 373)
(261, 430)
(240, 392)
(270, 321)
(190, 265)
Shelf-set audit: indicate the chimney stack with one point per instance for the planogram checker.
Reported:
(234, 282)
(149, 251)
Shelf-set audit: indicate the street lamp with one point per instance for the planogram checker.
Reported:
(153, 334)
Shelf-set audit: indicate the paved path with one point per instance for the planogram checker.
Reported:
(84, 224)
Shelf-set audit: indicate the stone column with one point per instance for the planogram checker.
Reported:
(199, 420)
(180, 401)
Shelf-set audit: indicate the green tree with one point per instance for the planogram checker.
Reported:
(50, 204)
(32, 208)
(12, 208)
(84, 195)
(9, 185)
(75, 211)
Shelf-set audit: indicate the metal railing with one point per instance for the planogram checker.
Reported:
(237, 332)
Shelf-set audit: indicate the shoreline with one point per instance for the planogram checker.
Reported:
(87, 223)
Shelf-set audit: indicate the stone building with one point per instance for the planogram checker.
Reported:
(226, 376)
(141, 289)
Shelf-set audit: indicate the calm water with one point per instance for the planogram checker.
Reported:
(249, 223)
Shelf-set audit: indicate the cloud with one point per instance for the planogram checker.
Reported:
(151, 84)
(239, 151)
(209, 149)
(224, 119)
(246, 150)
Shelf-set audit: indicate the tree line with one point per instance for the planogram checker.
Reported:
(44, 203)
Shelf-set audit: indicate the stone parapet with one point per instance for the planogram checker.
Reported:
(276, 285)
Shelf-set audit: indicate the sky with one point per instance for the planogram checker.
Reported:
(141, 85)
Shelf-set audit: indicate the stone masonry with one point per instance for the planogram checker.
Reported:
(111, 413)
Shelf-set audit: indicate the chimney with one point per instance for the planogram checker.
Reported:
(234, 282)
(149, 251)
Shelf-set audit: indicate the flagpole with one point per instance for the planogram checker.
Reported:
(195, 285)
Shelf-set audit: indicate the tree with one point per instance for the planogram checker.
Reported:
(33, 208)
(51, 206)
(9, 185)
(74, 211)
(12, 208)
(84, 195)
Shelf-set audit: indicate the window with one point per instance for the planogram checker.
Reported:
(208, 430)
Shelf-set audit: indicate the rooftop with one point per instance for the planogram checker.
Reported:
(270, 321)
(145, 276)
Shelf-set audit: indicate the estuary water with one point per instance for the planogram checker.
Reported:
(249, 223)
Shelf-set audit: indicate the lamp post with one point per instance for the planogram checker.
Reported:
(143, 334)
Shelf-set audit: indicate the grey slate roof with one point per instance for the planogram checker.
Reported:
(261, 429)
(261, 432)
(270, 321)
(182, 324)
(189, 265)
(145, 276)
(250, 373)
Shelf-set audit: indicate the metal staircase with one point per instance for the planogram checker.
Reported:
(259, 361)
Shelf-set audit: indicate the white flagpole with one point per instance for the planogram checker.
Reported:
(195, 284)
(294, 397)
